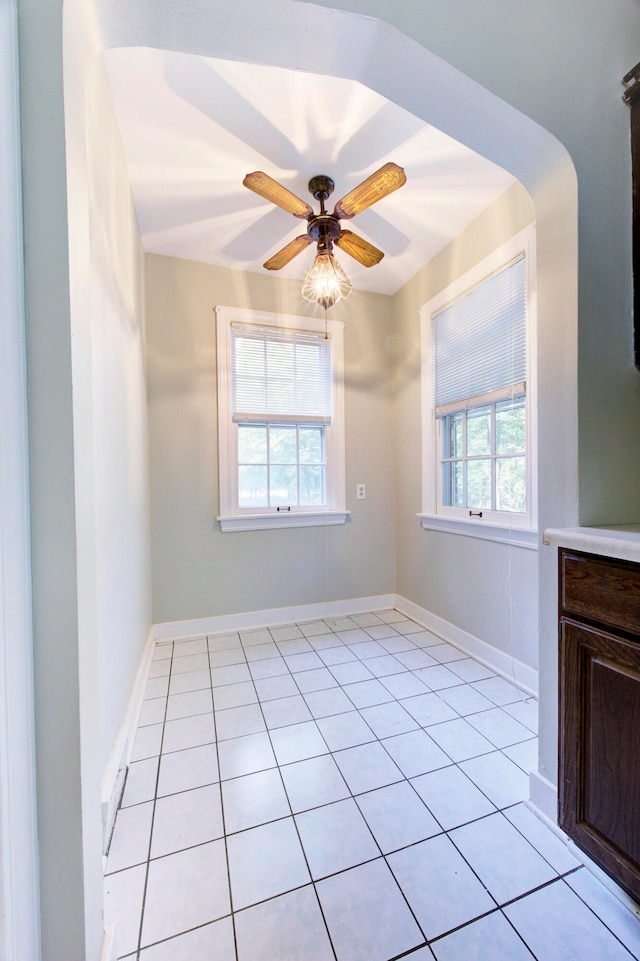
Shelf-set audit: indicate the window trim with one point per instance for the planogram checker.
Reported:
(233, 518)
(526, 537)
(519, 529)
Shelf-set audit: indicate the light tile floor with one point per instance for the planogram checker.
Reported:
(348, 789)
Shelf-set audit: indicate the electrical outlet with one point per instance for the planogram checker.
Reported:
(361, 492)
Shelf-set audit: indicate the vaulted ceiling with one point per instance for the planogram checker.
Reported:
(192, 127)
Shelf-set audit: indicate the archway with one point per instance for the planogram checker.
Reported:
(368, 51)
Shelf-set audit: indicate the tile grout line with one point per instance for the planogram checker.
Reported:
(601, 920)
(375, 840)
(153, 811)
(353, 797)
(295, 824)
(444, 832)
(222, 806)
(376, 739)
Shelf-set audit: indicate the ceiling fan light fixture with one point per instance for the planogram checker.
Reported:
(326, 282)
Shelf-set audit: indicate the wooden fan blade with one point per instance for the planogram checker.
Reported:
(374, 188)
(288, 253)
(270, 189)
(358, 248)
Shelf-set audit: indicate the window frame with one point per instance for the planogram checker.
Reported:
(515, 528)
(231, 516)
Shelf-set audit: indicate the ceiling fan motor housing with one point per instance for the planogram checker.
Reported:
(321, 187)
(322, 228)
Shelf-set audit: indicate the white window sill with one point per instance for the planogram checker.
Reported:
(266, 522)
(517, 536)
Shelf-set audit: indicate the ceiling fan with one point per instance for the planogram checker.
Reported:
(324, 228)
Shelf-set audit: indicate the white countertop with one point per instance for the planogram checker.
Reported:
(619, 540)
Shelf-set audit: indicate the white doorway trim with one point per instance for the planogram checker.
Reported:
(19, 897)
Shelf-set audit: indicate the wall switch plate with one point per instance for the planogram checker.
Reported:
(361, 492)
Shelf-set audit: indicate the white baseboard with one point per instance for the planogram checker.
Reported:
(604, 879)
(273, 617)
(509, 667)
(521, 674)
(543, 801)
(543, 796)
(502, 663)
(115, 772)
(109, 944)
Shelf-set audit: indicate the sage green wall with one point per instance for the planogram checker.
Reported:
(197, 570)
(487, 589)
(88, 450)
(52, 487)
(562, 64)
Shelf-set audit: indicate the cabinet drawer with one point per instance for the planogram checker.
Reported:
(601, 589)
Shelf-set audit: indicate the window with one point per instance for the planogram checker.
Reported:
(483, 457)
(280, 420)
(478, 398)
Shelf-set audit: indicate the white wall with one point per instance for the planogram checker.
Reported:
(488, 589)
(115, 421)
(110, 444)
(197, 570)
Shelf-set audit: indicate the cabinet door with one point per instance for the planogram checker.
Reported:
(600, 748)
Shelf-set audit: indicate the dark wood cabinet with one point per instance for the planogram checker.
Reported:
(599, 749)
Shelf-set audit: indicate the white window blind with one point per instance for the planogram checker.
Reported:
(480, 342)
(280, 375)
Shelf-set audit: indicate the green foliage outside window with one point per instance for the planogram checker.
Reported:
(484, 463)
(281, 465)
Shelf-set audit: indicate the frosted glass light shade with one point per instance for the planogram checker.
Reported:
(326, 282)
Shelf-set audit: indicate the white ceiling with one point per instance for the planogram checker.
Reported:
(192, 127)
